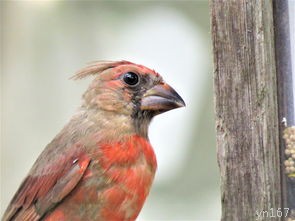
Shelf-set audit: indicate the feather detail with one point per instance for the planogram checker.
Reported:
(38, 194)
(97, 67)
(130, 165)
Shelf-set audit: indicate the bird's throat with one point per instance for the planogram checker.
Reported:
(114, 125)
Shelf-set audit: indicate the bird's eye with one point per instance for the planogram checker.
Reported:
(131, 78)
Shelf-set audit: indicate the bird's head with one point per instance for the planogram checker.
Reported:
(129, 91)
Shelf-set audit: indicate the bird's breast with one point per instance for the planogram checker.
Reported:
(114, 186)
(130, 166)
(133, 150)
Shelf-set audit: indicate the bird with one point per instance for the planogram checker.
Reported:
(101, 165)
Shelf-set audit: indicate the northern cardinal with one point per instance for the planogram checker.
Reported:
(101, 165)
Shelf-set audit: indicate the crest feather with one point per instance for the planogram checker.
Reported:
(97, 67)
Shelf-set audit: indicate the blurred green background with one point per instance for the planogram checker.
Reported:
(43, 43)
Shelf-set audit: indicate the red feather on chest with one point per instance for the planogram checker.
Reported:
(127, 169)
(127, 152)
(131, 165)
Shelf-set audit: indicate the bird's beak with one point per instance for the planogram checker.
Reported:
(161, 98)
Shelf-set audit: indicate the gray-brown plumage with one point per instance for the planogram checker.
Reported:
(101, 165)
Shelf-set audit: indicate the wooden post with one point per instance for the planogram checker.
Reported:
(246, 109)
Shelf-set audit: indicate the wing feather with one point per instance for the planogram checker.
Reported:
(42, 192)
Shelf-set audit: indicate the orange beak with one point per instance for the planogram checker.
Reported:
(161, 98)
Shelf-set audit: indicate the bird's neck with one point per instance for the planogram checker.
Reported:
(111, 125)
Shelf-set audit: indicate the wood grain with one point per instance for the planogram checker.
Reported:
(246, 108)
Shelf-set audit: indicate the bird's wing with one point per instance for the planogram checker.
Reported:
(42, 191)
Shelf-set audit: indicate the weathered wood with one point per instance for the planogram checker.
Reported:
(246, 109)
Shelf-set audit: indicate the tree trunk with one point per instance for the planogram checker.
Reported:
(246, 109)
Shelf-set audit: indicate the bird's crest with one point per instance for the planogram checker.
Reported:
(98, 67)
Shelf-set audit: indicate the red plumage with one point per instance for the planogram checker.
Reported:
(101, 165)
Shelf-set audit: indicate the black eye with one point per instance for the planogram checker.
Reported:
(131, 78)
